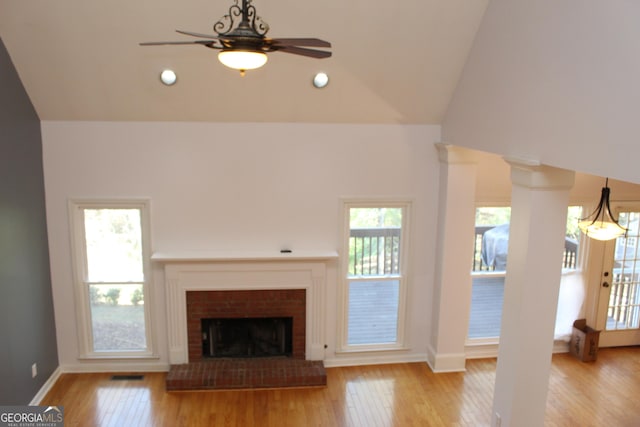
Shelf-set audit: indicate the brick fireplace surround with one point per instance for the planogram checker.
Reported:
(246, 286)
(245, 304)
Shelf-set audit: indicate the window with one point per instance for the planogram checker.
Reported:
(488, 271)
(572, 239)
(492, 239)
(111, 268)
(374, 275)
(489, 265)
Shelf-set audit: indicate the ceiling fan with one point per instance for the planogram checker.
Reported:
(242, 42)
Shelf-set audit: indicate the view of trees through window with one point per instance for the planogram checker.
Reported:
(374, 241)
(492, 216)
(115, 275)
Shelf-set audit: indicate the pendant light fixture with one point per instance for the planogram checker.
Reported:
(601, 225)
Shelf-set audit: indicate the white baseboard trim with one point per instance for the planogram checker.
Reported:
(114, 367)
(481, 351)
(360, 359)
(486, 351)
(561, 346)
(46, 387)
(450, 362)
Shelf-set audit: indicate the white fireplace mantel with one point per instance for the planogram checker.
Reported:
(171, 257)
(247, 271)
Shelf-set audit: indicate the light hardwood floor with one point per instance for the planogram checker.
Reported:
(602, 393)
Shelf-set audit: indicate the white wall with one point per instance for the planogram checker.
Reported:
(554, 81)
(236, 187)
(493, 185)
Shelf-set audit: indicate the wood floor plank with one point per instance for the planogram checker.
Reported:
(580, 394)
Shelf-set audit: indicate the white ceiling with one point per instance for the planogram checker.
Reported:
(393, 62)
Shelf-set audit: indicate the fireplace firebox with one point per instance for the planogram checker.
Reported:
(247, 337)
(210, 337)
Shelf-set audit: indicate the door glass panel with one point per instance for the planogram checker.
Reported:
(624, 300)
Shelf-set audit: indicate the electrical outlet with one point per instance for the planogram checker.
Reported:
(34, 370)
(498, 420)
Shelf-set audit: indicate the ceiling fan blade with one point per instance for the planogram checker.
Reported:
(208, 43)
(304, 52)
(189, 33)
(311, 42)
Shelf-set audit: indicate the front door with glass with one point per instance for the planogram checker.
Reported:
(619, 298)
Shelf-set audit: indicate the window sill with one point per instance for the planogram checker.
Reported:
(371, 350)
(478, 342)
(475, 274)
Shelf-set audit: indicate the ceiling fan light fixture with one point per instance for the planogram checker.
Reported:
(241, 39)
(242, 59)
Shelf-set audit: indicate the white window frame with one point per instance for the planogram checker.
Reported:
(583, 245)
(76, 208)
(343, 315)
(581, 257)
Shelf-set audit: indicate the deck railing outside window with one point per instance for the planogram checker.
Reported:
(374, 251)
(569, 259)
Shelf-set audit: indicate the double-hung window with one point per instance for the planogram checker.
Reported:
(374, 275)
(110, 246)
(490, 266)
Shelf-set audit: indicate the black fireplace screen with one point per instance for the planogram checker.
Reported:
(247, 337)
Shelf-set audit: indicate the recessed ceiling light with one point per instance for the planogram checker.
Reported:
(168, 77)
(320, 80)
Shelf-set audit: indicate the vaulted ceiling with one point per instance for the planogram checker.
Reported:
(393, 62)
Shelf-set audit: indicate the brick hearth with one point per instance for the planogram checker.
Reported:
(233, 373)
(212, 374)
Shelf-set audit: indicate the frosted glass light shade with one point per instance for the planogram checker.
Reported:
(601, 225)
(601, 230)
(242, 59)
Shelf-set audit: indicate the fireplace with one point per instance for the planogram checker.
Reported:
(247, 323)
(205, 289)
(255, 282)
(250, 337)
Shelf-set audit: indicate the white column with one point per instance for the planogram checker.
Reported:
(452, 290)
(539, 201)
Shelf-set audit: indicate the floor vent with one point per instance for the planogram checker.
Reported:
(126, 377)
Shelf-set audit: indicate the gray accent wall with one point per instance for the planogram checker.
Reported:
(27, 328)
